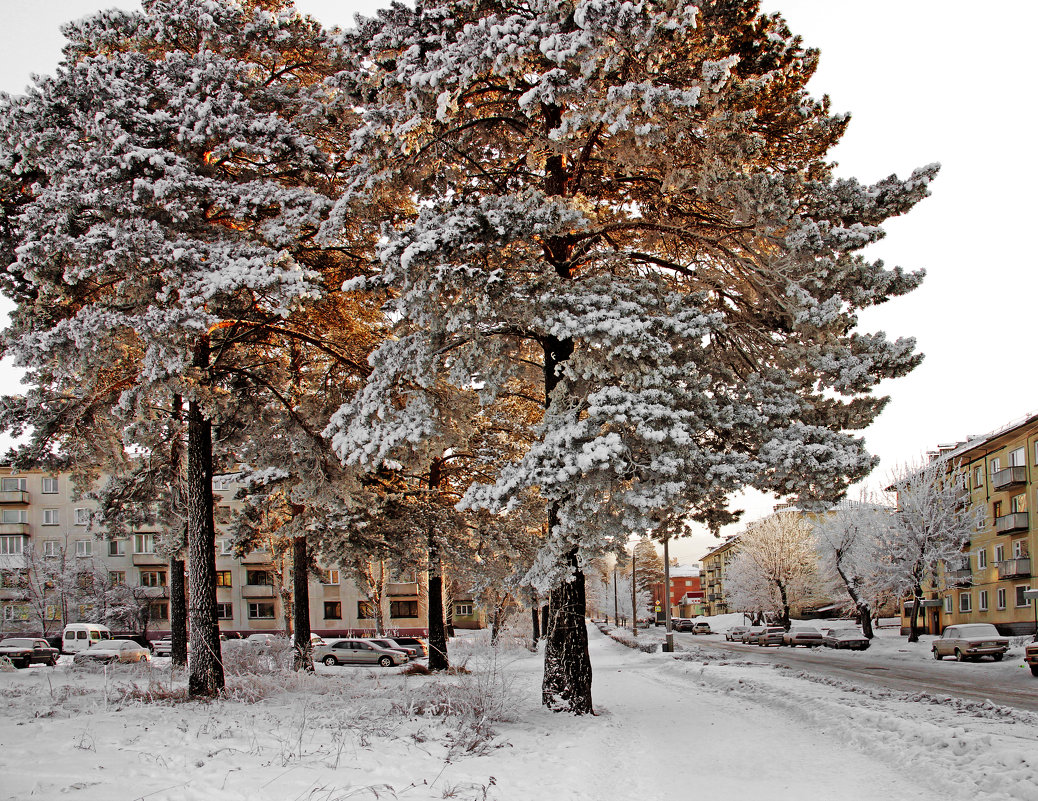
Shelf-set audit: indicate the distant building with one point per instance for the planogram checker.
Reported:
(686, 591)
(714, 565)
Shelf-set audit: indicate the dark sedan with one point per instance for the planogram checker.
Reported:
(851, 639)
(25, 651)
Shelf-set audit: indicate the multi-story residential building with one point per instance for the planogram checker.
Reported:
(45, 533)
(712, 571)
(998, 470)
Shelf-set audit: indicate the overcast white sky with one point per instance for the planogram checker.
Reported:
(926, 80)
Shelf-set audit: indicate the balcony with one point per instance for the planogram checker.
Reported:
(406, 589)
(257, 591)
(149, 559)
(1015, 568)
(1008, 524)
(14, 529)
(1009, 477)
(14, 594)
(153, 592)
(959, 578)
(257, 558)
(14, 496)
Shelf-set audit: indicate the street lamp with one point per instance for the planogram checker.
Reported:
(1032, 596)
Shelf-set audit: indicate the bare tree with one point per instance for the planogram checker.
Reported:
(932, 524)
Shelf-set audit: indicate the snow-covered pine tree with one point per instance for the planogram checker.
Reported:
(162, 192)
(627, 210)
(932, 524)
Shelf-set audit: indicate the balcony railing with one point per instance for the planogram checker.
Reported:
(13, 529)
(403, 588)
(1014, 568)
(149, 559)
(959, 578)
(257, 591)
(1008, 477)
(14, 496)
(1007, 524)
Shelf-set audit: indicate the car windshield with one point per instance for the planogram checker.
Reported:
(15, 643)
(978, 630)
(844, 634)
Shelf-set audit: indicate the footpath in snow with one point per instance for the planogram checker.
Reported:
(669, 726)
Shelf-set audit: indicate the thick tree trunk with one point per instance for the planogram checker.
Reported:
(438, 658)
(545, 615)
(567, 665)
(864, 610)
(448, 604)
(785, 622)
(304, 655)
(205, 677)
(535, 619)
(913, 620)
(177, 613)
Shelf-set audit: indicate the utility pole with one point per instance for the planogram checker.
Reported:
(669, 647)
(616, 601)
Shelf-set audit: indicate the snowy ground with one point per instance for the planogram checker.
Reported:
(668, 725)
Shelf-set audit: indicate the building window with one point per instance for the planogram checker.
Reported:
(12, 484)
(84, 547)
(1020, 549)
(995, 464)
(1000, 553)
(50, 517)
(982, 558)
(224, 611)
(403, 608)
(223, 578)
(1000, 598)
(1021, 600)
(14, 516)
(965, 602)
(1017, 457)
(10, 546)
(996, 510)
(332, 610)
(153, 578)
(978, 477)
(261, 610)
(144, 543)
(52, 548)
(365, 610)
(222, 483)
(158, 610)
(226, 547)
(463, 610)
(1018, 503)
(82, 517)
(982, 601)
(948, 605)
(330, 577)
(117, 547)
(259, 578)
(50, 486)
(117, 578)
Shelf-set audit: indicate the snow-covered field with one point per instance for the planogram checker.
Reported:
(668, 726)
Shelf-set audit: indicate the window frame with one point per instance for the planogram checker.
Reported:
(335, 607)
(224, 578)
(982, 558)
(81, 516)
(254, 606)
(982, 601)
(84, 549)
(51, 517)
(161, 581)
(144, 540)
(1000, 598)
(1018, 590)
(52, 482)
(395, 606)
(965, 602)
(225, 606)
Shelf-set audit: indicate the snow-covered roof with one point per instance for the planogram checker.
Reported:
(684, 571)
(975, 441)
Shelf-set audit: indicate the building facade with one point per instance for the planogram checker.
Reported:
(54, 569)
(998, 471)
(713, 567)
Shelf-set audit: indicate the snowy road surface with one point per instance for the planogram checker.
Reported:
(670, 726)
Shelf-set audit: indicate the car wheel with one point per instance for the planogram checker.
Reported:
(330, 661)
(937, 655)
(997, 657)
(53, 662)
(959, 656)
(386, 661)
(1034, 670)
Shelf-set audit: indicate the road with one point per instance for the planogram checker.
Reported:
(1002, 683)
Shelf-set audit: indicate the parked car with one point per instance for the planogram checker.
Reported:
(163, 647)
(80, 636)
(750, 635)
(412, 651)
(969, 641)
(358, 652)
(772, 635)
(735, 633)
(25, 651)
(417, 642)
(261, 640)
(702, 627)
(1031, 657)
(111, 651)
(681, 623)
(808, 636)
(851, 639)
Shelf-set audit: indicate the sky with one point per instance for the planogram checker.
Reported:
(944, 81)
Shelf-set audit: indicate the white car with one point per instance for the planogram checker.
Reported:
(111, 651)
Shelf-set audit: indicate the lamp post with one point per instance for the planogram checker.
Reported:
(1032, 596)
(666, 594)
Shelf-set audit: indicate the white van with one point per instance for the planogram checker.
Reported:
(79, 636)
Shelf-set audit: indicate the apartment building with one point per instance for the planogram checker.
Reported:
(47, 546)
(712, 571)
(998, 470)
